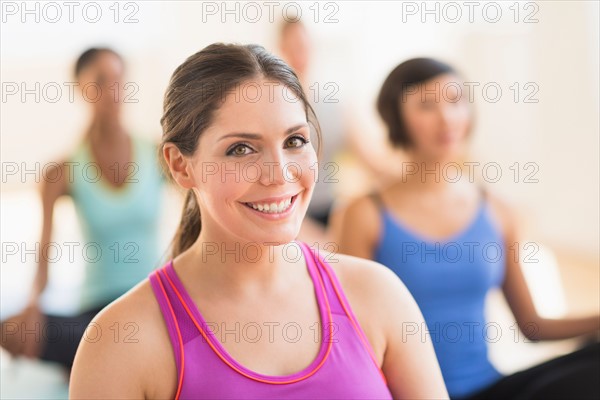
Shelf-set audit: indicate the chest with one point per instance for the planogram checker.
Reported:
(432, 220)
(341, 369)
(278, 334)
(465, 264)
(116, 164)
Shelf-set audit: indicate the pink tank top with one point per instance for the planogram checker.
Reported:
(345, 366)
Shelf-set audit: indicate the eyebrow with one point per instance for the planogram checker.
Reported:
(258, 136)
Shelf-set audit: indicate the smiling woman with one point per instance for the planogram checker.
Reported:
(278, 149)
(233, 314)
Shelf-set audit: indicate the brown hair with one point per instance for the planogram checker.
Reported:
(196, 90)
(89, 56)
(404, 76)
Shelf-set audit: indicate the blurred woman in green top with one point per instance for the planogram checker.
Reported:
(115, 182)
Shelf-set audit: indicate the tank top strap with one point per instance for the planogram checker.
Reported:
(168, 307)
(338, 302)
(180, 326)
(314, 263)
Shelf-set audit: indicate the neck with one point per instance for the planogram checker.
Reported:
(242, 267)
(106, 130)
(432, 174)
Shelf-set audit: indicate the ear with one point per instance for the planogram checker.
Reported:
(179, 165)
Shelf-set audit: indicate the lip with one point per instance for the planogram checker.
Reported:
(277, 216)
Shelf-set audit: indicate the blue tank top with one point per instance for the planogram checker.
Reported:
(119, 225)
(449, 281)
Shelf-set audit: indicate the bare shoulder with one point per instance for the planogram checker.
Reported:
(55, 182)
(125, 351)
(363, 203)
(504, 212)
(366, 280)
(360, 227)
(384, 309)
(377, 297)
(362, 209)
(362, 216)
(138, 305)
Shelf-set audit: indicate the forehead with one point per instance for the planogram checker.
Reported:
(107, 61)
(258, 106)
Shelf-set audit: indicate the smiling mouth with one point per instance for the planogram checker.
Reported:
(273, 208)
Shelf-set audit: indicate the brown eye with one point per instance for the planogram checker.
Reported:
(239, 150)
(296, 141)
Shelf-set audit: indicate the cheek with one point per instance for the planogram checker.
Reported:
(421, 125)
(219, 201)
(461, 118)
(224, 176)
(219, 184)
(307, 167)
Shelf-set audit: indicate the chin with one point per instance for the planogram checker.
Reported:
(277, 240)
(449, 150)
(272, 238)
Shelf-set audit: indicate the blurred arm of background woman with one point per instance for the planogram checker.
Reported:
(519, 298)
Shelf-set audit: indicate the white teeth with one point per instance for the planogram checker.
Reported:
(272, 208)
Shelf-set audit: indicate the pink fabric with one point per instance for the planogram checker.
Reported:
(344, 367)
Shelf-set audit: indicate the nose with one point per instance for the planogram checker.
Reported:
(273, 171)
(447, 113)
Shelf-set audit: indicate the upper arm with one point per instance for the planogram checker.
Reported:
(53, 185)
(410, 364)
(514, 287)
(359, 228)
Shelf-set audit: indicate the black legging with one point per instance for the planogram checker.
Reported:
(572, 376)
(62, 336)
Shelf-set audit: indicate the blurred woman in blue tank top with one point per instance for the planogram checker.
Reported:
(115, 182)
(449, 241)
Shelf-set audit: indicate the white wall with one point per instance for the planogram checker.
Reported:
(559, 54)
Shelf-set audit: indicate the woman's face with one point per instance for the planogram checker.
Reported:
(254, 171)
(102, 86)
(437, 116)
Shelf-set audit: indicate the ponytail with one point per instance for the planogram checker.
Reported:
(189, 226)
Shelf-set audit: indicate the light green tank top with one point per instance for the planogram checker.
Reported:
(119, 225)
